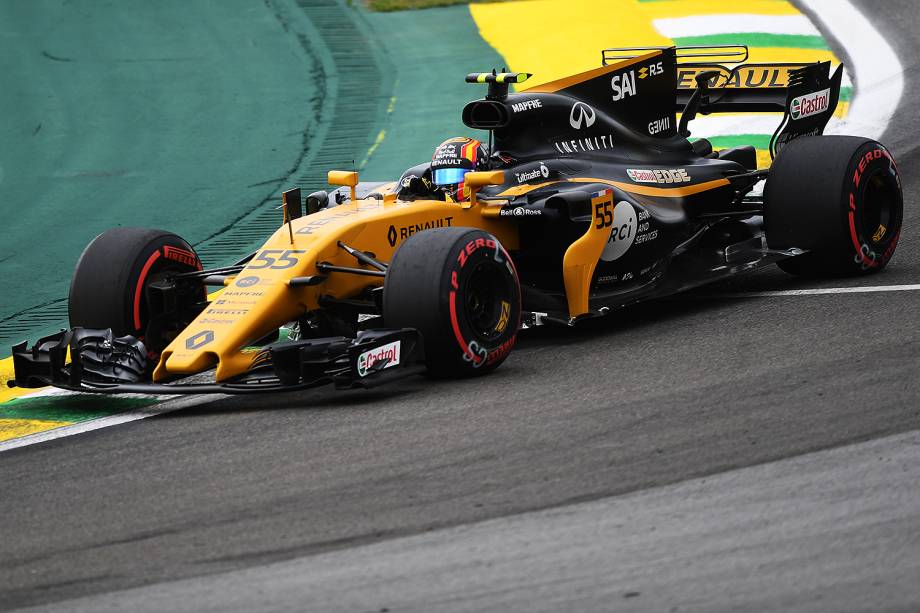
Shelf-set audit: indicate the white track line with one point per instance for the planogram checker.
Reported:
(815, 292)
(173, 404)
(875, 67)
(704, 25)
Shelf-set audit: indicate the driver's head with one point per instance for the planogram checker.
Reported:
(451, 161)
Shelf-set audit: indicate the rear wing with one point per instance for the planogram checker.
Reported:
(806, 93)
(738, 88)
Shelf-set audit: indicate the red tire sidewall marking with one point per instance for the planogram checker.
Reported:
(138, 291)
(458, 334)
(463, 256)
(183, 256)
(864, 253)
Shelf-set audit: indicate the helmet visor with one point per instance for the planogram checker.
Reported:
(449, 176)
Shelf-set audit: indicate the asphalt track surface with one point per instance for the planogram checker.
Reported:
(694, 454)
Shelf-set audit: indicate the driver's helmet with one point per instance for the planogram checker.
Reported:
(451, 161)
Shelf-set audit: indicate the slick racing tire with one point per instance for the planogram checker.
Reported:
(459, 288)
(839, 198)
(109, 284)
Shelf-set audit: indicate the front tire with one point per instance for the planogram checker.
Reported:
(108, 289)
(839, 197)
(459, 288)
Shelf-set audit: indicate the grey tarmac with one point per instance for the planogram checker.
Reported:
(815, 524)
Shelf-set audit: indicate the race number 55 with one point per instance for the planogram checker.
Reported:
(603, 215)
(276, 259)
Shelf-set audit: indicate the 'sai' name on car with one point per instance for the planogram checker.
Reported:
(624, 85)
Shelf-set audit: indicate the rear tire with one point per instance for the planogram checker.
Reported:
(839, 197)
(109, 283)
(459, 288)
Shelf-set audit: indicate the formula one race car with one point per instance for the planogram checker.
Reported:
(591, 197)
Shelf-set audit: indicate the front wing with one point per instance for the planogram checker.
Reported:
(95, 361)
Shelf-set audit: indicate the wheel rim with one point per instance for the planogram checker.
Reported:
(878, 216)
(487, 301)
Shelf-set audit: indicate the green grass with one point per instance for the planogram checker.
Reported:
(755, 39)
(760, 141)
(402, 5)
(73, 408)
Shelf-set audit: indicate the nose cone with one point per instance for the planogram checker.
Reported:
(188, 363)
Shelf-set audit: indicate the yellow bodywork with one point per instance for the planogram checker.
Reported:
(581, 257)
(258, 300)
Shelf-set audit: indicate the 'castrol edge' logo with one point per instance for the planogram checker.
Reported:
(388, 353)
(676, 175)
(810, 104)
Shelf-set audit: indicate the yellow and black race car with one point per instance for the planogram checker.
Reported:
(588, 197)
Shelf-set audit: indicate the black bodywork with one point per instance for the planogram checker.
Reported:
(684, 215)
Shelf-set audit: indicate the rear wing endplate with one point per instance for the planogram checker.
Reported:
(811, 99)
